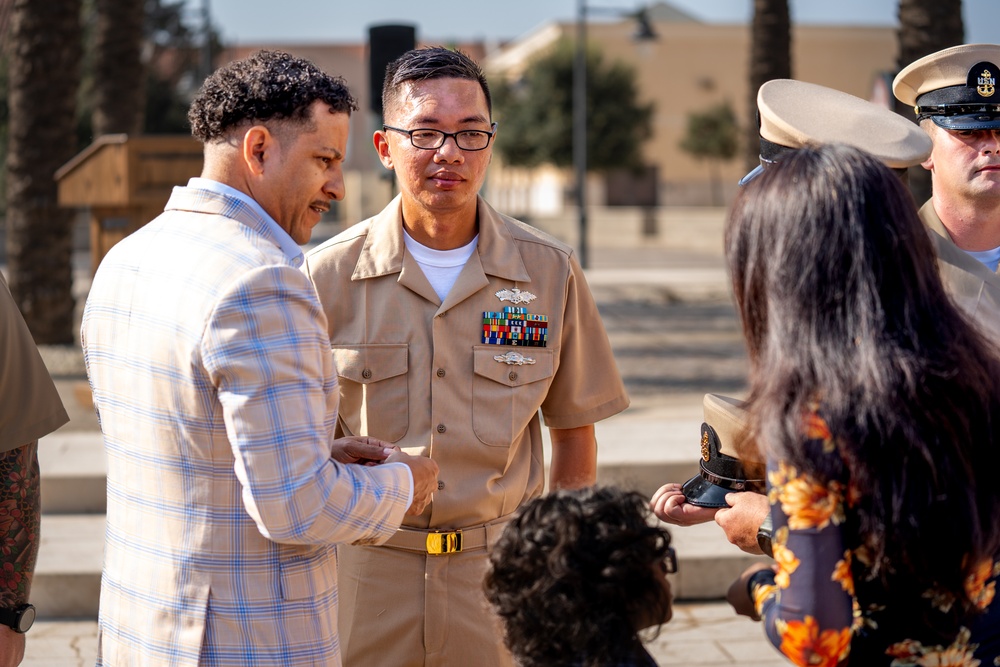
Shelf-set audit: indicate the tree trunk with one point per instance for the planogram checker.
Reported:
(119, 91)
(46, 50)
(770, 58)
(925, 26)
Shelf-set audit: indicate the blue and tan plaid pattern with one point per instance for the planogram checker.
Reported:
(214, 382)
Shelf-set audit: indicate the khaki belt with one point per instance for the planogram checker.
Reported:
(443, 542)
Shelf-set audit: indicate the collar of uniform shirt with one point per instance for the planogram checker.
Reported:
(285, 242)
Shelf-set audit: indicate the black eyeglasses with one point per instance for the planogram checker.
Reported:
(430, 140)
(670, 561)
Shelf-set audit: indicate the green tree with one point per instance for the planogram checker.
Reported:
(712, 135)
(925, 26)
(536, 113)
(770, 58)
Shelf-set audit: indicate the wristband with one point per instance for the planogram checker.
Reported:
(764, 536)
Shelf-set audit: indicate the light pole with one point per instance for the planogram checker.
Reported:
(644, 32)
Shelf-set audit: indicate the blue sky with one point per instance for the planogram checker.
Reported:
(260, 21)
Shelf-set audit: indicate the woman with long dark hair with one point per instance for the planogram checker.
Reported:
(878, 407)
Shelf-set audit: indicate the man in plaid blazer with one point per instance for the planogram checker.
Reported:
(212, 374)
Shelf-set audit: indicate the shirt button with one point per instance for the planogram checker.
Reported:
(512, 376)
(441, 428)
(366, 374)
(440, 485)
(440, 373)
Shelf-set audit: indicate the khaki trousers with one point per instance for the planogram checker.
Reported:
(403, 609)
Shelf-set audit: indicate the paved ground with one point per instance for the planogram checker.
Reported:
(676, 336)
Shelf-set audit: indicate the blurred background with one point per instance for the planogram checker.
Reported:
(611, 114)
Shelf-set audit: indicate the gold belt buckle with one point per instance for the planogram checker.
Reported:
(444, 543)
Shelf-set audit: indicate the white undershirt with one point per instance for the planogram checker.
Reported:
(991, 258)
(440, 266)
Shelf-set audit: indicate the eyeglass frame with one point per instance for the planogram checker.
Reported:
(670, 561)
(444, 136)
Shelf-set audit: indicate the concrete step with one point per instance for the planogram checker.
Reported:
(74, 471)
(67, 577)
(67, 581)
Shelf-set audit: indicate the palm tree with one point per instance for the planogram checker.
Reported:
(119, 93)
(45, 53)
(926, 26)
(770, 58)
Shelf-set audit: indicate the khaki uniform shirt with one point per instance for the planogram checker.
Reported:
(972, 286)
(416, 372)
(29, 404)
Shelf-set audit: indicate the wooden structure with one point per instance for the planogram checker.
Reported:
(125, 182)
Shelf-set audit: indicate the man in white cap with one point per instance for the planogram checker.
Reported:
(955, 96)
(794, 114)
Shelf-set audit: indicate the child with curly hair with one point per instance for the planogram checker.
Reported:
(577, 575)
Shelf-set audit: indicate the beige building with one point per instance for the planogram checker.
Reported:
(690, 67)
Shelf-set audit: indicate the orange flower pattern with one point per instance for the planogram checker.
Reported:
(807, 502)
(816, 619)
(910, 653)
(804, 643)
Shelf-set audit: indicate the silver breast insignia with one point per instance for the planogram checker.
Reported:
(514, 359)
(515, 296)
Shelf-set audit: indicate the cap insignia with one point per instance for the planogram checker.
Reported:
(705, 453)
(986, 84)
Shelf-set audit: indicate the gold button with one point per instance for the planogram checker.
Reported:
(366, 374)
(440, 372)
(441, 428)
(512, 376)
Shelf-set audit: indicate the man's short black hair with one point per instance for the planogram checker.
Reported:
(267, 85)
(433, 62)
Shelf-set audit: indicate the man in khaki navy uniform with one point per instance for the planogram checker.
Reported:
(29, 409)
(956, 99)
(794, 114)
(451, 326)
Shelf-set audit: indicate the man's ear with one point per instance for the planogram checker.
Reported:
(257, 147)
(382, 148)
(928, 164)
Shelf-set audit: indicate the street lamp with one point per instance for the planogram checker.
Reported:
(644, 32)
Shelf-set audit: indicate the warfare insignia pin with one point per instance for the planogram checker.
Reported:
(514, 359)
(515, 296)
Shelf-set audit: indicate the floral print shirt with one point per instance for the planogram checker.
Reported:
(825, 607)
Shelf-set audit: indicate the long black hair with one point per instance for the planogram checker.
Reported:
(837, 287)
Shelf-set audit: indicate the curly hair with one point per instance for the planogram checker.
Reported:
(433, 62)
(573, 575)
(264, 86)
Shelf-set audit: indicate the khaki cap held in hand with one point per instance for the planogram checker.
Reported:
(721, 471)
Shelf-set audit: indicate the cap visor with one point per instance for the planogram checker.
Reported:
(969, 122)
(698, 491)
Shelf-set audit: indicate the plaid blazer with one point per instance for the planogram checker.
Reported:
(207, 353)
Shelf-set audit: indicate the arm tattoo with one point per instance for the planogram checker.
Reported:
(20, 510)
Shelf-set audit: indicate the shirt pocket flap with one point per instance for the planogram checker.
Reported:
(370, 363)
(502, 365)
